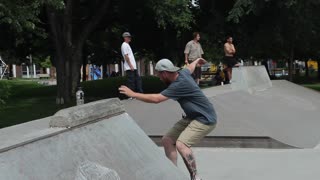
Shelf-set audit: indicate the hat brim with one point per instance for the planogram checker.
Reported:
(175, 69)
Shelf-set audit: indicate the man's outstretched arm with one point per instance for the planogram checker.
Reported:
(149, 98)
(193, 65)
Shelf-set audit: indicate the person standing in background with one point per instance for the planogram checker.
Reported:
(229, 60)
(193, 51)
(130, 66)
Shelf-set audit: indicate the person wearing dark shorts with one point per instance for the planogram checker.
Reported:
(229, 60)
(200, 117)
(193, 51)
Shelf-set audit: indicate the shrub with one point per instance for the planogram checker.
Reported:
(99, 89)
(108, 88)
(4, 92)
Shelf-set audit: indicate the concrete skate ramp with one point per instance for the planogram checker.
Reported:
(284, 111)
(106, 145)
(250, 78)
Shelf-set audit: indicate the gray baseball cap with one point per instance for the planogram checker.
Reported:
(166, 65)
(126, 34)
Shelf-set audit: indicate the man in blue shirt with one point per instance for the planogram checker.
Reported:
(200, 116)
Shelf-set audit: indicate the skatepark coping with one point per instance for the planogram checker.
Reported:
(78, 115)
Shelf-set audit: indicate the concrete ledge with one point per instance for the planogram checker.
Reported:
(78, 115)
(22, 134)
(110, 148)
(250, 78)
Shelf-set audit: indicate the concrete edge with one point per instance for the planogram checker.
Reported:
(29, 138)
(82, 114)
(43, 134)
(66, 120)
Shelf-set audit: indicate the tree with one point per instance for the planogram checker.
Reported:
(70, 28)
(72, 25)
(19, 30)
(291, 25)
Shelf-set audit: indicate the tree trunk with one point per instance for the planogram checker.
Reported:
(84, 69)
(290, 64)
(306, 68)
(60, 59)
(318, 61)
(69, 46)
(104, 71)
(75, 71)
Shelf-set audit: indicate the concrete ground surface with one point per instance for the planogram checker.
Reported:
(100, 140)
(256, 164)
(285, 112)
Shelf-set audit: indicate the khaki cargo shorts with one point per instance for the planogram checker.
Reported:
(189, 131)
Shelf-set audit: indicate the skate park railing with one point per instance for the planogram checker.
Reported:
(250, 79)
(98, 140)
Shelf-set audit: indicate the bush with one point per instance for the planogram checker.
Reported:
(99, 89)
(24, 88)
(4, 92)
(108, 88)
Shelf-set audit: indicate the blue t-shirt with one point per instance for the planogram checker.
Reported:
(191, 99)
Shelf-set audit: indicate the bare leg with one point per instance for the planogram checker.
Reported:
(188, 159)
(170, 149)
(226, 73)
(230, 73)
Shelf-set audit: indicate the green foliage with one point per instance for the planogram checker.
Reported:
(24, 89)
(176, 13)
(21, 110)
(4, 92)
(24, 15)
(213, 50)
(145, 55)
(240, 8)
(30, 100)
(313, 86)
(22, 29)
(108, 88)
(46, 63)
(98, 89)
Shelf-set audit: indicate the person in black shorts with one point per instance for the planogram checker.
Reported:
(229, 60)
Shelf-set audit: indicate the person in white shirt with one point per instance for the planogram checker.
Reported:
(130, 66)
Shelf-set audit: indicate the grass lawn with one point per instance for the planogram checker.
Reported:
(28, 101)
(313, 86)
(20, 110)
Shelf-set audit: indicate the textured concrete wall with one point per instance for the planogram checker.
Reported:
(112, 148)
